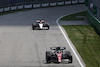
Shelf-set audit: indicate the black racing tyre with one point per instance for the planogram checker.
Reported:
(48, 57)
(48, 52)
(33, 27)
(70, 59)
(66, 55)
(48, 27)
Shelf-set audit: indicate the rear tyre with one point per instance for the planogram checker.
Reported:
(70, 59)
(67, 53)
(48, 57)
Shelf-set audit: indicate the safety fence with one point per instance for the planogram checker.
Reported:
(45, 3)
(94, 21)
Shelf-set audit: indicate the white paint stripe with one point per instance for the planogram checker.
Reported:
(69, 42)
(41, 26)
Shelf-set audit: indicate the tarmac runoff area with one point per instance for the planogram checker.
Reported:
(79, 22)
(20, 46)
(74, 23)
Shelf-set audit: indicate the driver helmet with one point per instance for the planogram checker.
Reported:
(58, 51)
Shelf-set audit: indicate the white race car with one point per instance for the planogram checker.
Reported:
(39, 24)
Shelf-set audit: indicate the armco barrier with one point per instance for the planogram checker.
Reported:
(1, 9)
(20, 6)
(74, 2)
(45, 4)
(6, 8)
(67, 2)
(13, 7)
(53, 4)
(81, 1)
(36, 5)
(61, 3)
(39, 4)
(94, 21)
(28, 6)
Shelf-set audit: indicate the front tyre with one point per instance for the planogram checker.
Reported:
(48, 28)
(33, 28)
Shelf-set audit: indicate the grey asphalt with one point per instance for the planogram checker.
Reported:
(20, 46)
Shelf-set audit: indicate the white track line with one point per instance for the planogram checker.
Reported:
(69, 42)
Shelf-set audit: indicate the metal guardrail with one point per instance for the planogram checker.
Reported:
(94, 21)
(39, 4)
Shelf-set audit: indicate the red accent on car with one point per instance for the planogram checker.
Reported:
(37, 20)
(59, 55)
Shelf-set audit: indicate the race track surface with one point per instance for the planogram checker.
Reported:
(20, 46)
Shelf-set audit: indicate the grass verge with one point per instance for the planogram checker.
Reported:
(74, 16)
(87, 42)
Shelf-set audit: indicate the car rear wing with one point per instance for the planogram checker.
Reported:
(37, 20)
(53, 48)
(62, 48)
(42, 20)
(58, 48)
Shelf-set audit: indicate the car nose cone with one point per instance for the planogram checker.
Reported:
(41, 26)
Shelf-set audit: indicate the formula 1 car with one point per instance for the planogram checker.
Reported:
(39, 24)
(58, 55)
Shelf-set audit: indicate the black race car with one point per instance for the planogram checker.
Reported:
(58, 55)
(39, 24)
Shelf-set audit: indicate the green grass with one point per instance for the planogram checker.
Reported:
(8, 12)
(87, 42)
(73, 16)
